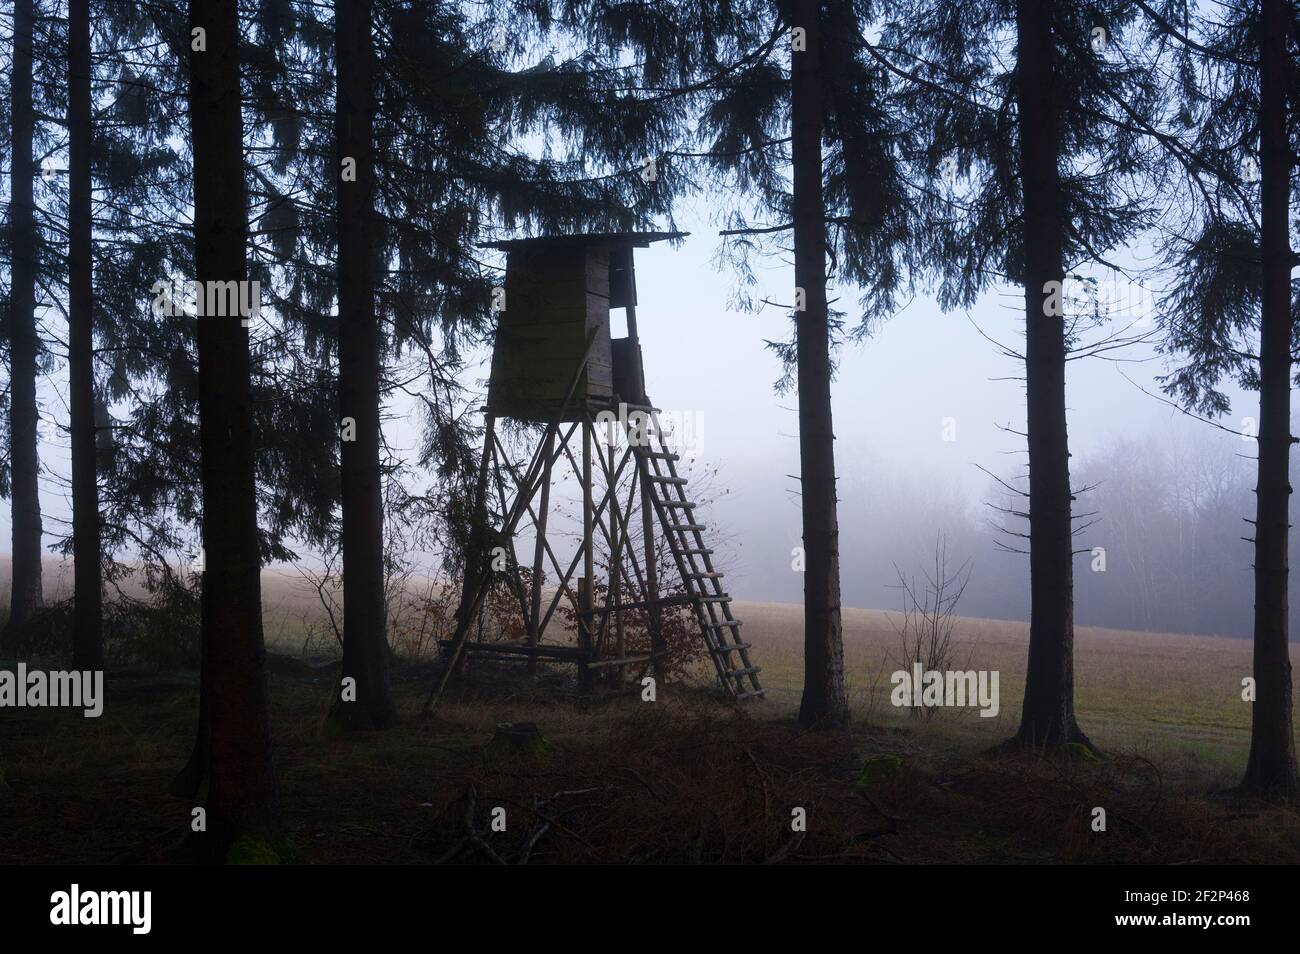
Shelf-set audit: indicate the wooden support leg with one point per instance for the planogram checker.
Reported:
(539, 552)
(584, 633)
(476, 554)
(585, 626)
(657, 646)
(619, 533)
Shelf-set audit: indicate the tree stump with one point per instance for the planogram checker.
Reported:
(518, 738)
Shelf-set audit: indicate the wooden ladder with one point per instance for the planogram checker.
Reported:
(712, 605)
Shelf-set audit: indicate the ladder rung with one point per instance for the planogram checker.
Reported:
(672, 506)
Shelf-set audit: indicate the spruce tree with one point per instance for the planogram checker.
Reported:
(242, 805)
(87, 620)
(1035, 124)
(367, 701)
(1232, 310)
(25, 595)
(782, 107)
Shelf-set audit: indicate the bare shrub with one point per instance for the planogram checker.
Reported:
(930, 613)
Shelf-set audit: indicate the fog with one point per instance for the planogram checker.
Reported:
(926, 409)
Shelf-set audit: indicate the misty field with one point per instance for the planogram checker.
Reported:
(691, 778)
(1173, 698)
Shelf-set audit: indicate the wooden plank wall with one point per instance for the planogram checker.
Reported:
(554, 296)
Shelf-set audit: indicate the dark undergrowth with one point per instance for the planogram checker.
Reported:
(687, 779)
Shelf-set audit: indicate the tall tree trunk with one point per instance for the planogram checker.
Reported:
(365, 640)
(191, 781)
(87, 646)
(25, 596)
(824, 701)
(1271, 768)
(1048, 717)
(242, 793)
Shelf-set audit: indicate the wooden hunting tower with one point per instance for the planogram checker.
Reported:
(557, 292)
(569, 386)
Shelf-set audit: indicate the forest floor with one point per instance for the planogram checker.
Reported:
(689, 778)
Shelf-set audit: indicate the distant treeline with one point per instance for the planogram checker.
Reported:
(1168, 508)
